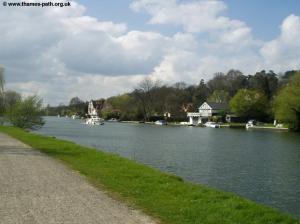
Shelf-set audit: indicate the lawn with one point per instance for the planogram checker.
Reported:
(166, 197)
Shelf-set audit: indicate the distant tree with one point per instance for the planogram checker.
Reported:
(11, 99)
(200, 94)
(26, 113)
(178, 97)
(231, 82)
(288, 74)
(249, 104)
(2, 82)
(75, 101)
(219, 96)
(218, 82)
(77, 106)
(145, 95)
(284, 78)
(235, 80)
(122, 107)
(266, 82)
(180, 85)
(287, 103)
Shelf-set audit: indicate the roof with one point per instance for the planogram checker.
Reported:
(218, 106)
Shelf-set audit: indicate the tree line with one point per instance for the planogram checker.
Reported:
(264, 95)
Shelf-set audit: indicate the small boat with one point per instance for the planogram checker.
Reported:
(113, 120)
(94, 120)
(161, 122)
(74, 116)
(211, 124)
(250, 124)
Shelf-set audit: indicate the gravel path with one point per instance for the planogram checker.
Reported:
(35, 188)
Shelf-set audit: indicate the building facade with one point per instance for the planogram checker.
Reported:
(205, 112)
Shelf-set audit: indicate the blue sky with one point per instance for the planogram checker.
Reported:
(96, 49)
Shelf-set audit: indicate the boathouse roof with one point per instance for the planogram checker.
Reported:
(217, 106)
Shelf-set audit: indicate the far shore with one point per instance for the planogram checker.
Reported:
(222, 125)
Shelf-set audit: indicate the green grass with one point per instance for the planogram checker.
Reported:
(268, 125)
(237, 125)
(165, 197)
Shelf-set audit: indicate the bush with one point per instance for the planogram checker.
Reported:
(27, 113)
(287, 103)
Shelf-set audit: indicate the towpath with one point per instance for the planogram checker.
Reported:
(35, 188)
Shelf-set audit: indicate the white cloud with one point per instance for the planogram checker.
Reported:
(283, 53)
(83, 23)
(194, 16)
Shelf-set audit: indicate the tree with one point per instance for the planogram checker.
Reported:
(219, 96)
(145, 95)
(235, 80)
(218, 82)
(266, 82)
(77, 106)
(121, 107)
(26, 113)
(11, 99)
(200, 94)
(249, 104)
(231, 82)
(75, 101)
(287, 103)
(2, 82)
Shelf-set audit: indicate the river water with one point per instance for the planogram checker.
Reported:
(260, 165)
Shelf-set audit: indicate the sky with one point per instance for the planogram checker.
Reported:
(97, 49)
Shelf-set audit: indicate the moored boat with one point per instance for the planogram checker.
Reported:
(160, 122)
(92, 116)
(212, 124)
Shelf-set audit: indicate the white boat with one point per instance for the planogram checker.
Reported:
(211, 124)
(250, 124)
(161, 122)
(93, 118)
(74, 116)
(113, 120)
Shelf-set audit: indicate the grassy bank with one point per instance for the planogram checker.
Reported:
(161, 195)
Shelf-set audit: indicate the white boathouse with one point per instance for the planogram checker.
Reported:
(205, 112)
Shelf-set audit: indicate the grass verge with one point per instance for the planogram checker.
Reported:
(163, 196)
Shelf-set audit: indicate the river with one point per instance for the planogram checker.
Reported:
(260, 165)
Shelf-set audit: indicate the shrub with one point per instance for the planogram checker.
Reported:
(27, 113)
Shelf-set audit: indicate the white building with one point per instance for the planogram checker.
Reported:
(205, 112)
(91, 109)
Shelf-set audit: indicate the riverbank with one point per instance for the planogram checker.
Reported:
(164, 196)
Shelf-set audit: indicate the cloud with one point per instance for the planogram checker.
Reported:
(194, 16)
(211, 41)
(100, 53)
(78, 24)
(283, 53)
